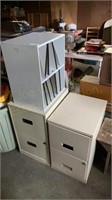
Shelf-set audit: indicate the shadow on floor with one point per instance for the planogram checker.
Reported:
(100, 158)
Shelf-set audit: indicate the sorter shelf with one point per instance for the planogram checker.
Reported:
(32, 62)
(49, 76)
(53, 87)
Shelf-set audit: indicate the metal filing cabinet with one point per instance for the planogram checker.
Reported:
(30, 127)
(30, 131)
(73, 128)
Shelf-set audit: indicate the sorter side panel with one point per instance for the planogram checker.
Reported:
(69, 165)
(62, 77)
(59, 46)
(23, 70)
(42, 57)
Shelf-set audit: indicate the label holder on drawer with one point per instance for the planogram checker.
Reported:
(31, 144)
(67, 167)
(27, 121)
(66, 146)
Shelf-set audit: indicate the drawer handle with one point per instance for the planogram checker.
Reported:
(67, 146)
(67, 167)
(31, 144)
(27, 121)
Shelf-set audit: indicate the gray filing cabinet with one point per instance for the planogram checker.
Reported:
(73, 129)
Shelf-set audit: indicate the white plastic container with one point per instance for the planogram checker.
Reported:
(7, 141)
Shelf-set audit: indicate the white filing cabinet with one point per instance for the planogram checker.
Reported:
(30, 128)
(73, 128)
(35, 64)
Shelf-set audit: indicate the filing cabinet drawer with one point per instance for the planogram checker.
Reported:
(35, 147)
(68, 164)
(27, 123)
(69, 142)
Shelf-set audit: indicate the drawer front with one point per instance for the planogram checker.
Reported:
(68, 164)
(28, 123)
(34, 146)
(69, 142)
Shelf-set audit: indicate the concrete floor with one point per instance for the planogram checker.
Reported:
(25, 178)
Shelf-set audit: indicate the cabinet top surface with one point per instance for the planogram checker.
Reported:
(35, 38)
(79, 113)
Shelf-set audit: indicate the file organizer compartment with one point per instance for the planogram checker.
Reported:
(52, 87)
(51, 58)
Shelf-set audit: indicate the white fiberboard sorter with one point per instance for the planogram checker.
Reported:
(35, 65)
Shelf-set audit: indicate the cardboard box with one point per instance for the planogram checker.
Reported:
(90, 86)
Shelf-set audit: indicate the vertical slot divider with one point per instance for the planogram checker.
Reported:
(59, 79)
(42, 73)
(47, 61)
(54, 55)
(48, 58)
(48, 91)
(52, 87)
(55, 83)
(45, 94)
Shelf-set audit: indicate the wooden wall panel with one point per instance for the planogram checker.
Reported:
(83, 14)
(69, 11)
(101, 12)
(92, 13)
